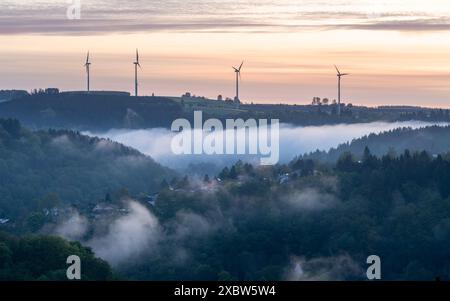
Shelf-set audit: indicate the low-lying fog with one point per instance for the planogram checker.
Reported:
(293, 141)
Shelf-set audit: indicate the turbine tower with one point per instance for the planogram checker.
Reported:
(238, 76)
(87, 65)
(339, 75)
(136, 64)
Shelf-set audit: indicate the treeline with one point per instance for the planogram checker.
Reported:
(43, 258)
(403, 204)
(82, 112)
(434, 139)
(91, 112)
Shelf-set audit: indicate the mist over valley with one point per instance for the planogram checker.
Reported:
(294, 141)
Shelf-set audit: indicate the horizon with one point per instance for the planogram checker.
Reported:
(396, 53)
(243, 102)
(30, 92)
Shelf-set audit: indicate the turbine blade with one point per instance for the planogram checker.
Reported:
(240, 67)
(339, 72)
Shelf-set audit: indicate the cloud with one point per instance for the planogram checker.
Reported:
(103, 17)
(128, 237)
(137, 237)
(189, 224)
(132, 234)
(294, 141)
(438, 24)
(310, 199)
(63, 142)
(95, 27)
(73, 228)
(336, 268)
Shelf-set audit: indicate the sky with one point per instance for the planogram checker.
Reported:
(397, 52)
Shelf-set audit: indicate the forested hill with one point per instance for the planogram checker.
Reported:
(71, 168)
(44, 258)
(434, 140)
(100, 111)
(91, 112)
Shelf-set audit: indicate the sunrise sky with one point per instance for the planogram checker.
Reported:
(397, 51)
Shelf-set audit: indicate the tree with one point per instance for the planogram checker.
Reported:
(233, 173)
(368, 159)
(108, 198)
(316, 101)
(346, 163)
(36, 221)
(206, 179)
(224, 174)
(164, 185)
(44, 258)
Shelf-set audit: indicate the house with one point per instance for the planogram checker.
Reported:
(152, 198)
(284, 178)
(52, 91)
(103, 208)
(51, 212)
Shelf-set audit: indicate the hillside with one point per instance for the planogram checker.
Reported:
(6, 95)
(269, 223)
(434, 140)
(99, 111)
(43, 168)
(43, 258)
(91, 112)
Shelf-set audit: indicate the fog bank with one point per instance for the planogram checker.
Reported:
(293, 141)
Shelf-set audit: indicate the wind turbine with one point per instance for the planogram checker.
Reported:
(136, 64)
(238, 76)
(87, 65)
(339, 75)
